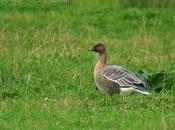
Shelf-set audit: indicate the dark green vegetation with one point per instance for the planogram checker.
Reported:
(46, 79)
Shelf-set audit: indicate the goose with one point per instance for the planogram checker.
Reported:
(115, 79)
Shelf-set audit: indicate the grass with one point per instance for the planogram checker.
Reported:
(46, 79)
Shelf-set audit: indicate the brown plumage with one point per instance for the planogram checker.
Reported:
(115, 79)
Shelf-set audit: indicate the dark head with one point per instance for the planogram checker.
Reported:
(99, 48)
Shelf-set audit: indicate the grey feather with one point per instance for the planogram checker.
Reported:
(118, 77)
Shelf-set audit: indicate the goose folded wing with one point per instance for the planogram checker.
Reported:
(121, 76)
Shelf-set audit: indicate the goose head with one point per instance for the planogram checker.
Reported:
(98, 48)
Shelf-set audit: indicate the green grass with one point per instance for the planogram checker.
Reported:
(46, 79)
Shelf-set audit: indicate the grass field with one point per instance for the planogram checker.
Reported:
(46, 72)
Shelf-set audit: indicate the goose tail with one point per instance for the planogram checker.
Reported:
(159, 81)
(145, 92)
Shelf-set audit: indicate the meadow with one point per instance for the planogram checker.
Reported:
(46, 70)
